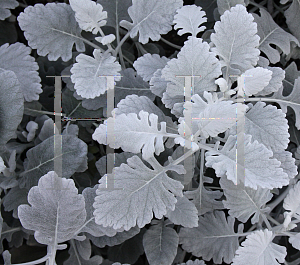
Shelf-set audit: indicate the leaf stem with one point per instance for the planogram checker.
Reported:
(171, 44)
(121, 43)
(279, 199)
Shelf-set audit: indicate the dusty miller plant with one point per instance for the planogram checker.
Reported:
(155, 207)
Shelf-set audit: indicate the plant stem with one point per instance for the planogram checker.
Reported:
(171, 44)
(38, 261)
(266, 221)
(279, 199)
(121, 43)
(92, 44)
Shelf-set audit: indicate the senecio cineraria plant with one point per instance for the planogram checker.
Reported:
(211, 216)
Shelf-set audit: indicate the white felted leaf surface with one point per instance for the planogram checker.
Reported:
(193, 59)
(214, 238)
(185, 213)
(260, 169)
(160, 244)
(188, 19)
(54, 213)
(16, 57)
(133, 133)
(243, 202)
(87, 71)
(138, 189)
(5, 5)
(134, 104)
(91, 227)
(287, 162)
(151, 18)
(270, 33)
(52, 30)
(239, 52)
(258, 249)
(213, 117)
(275, 83)
(267, 125)
(254, 80)
(148, 64)
(89, 15)
(11, 106)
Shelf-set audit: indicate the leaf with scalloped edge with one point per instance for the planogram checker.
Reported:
(292, 15)
(267, 125)
(214, 238)
(239, 52)
(54, 213)
(52, 30)
(193, 59)
(151, 18)
(133, 133)
(88, 73)
(16, 57)
(188, 19)
(137, 189)
(148, 64)
(89, 15)
(258, 249)
(261, 170)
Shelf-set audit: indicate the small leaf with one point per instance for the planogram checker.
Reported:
(89, 15)
(214, 238)
(160, 244)
(239, 52)
(55, 214)
(137, 189)
(189, 18)
(5, 5)
(258, 249)
(44, 24)
(254, 80)
(88, 73)
(151, 18)
(270, 33)
(106, 39)
(185, 213)
(275, 83)
(2, 166)
(148, 64)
